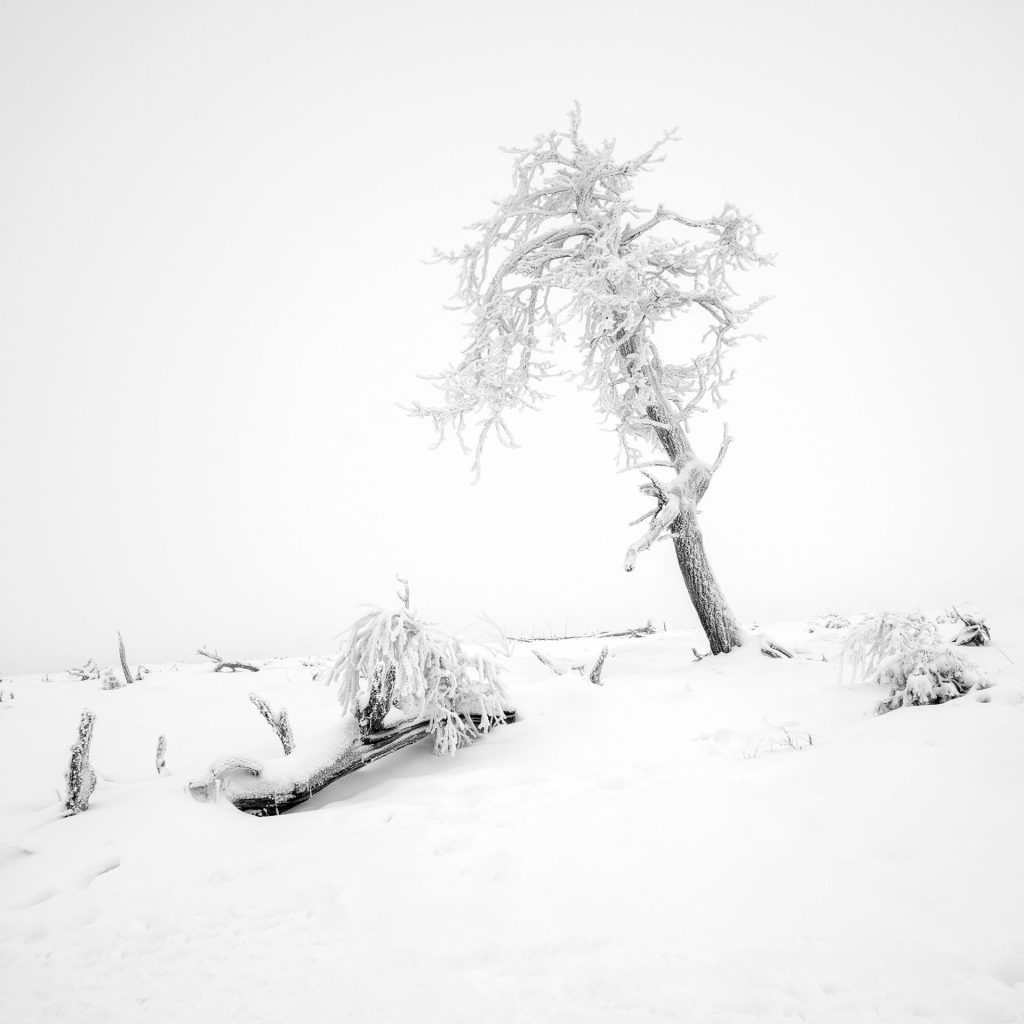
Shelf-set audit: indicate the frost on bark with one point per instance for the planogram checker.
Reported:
(570, 250)
(80, 778)
(279, 722)
(161, 756)
(124, 660)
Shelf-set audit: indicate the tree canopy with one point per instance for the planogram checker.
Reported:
(569, 257)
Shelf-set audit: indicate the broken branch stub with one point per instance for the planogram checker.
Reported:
(80, 778)
(279, 722)
(595, 672)
(124, 660)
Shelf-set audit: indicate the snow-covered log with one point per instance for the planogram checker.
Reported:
(271, 787)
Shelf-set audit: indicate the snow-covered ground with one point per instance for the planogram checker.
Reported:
(670, 846)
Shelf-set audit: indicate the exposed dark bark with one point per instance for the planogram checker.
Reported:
(712, 609)
(719, 623)
(379, 704)
(80, 778)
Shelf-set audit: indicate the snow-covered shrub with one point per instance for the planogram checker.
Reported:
(90, 670)
(396, 667)
(927, 675)
(904, 654)
(974, 633)
(110, 680)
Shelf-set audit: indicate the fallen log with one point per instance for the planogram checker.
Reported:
(274, 786)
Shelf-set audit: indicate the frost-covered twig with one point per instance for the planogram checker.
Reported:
(161, 755)
(547, 662)
(124, 660)
(595, 672)
(228, 666)
(974, 633)
(637, 631)
(90, 670)
(279, 722)
(79, 777)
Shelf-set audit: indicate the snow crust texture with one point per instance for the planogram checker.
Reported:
(731, 840)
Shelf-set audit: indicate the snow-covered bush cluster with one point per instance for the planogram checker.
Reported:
(110, 680)
(904, 653)
(90, 670)
(974, 632)
(395, 667)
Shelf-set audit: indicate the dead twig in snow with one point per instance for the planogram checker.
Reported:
(80, 778)
(226, 666)
(279, 722)
(161, 756)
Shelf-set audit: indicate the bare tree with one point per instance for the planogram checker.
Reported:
(569, 250)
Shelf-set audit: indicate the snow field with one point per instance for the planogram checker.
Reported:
(670, 846)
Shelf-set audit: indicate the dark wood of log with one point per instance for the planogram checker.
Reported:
(369, 748)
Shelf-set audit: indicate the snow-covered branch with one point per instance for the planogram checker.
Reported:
(569, 248)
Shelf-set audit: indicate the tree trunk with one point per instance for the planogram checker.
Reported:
(720, 625)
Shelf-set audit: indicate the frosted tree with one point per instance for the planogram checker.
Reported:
(570, 258)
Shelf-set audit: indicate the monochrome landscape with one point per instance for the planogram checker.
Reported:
(511, 514)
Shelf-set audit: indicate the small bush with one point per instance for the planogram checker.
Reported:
(110, 680)
(396, 667)
(974, 632)
(927, 675)
(903, 653)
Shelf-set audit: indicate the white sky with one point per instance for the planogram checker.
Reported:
(214, 218)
